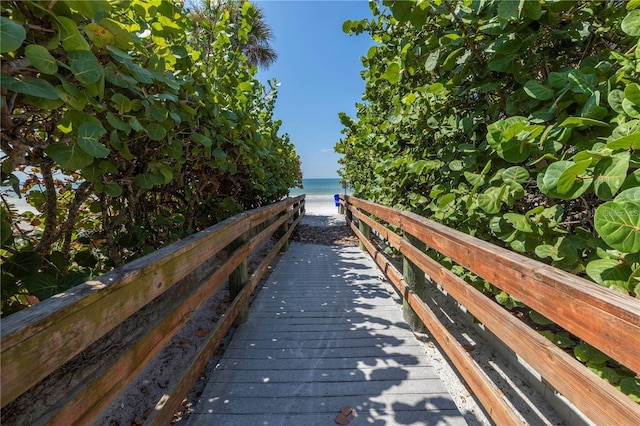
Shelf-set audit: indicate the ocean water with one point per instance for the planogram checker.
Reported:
(316, 187)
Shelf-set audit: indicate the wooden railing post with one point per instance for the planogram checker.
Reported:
(282, 231)
(348, 212)
(238, 278)
(366, 231)
(415, 279)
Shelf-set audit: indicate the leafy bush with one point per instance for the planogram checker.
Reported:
(514, 121)
(126, 135)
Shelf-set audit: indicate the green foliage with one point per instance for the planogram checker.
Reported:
(514, 121)
(131, 135)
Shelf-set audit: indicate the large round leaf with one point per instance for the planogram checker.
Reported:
(608, 272)
(40, 58)
(504, 137)
(69, 157)
(85, 66)
(548, 181)
(538, 90)
(70, 36)
(515, 174)
(99, 35)
(609, 174)
(491, 200)
(11, 35)
(573, 175)
(89, 135)
(155, 131)
(618, 223)
(631, 23)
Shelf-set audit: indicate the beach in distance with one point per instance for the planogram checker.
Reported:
(319, 195)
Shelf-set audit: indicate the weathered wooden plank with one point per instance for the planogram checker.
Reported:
(88, 401)
(168, 405)
(263, 378)
(583, 308)
(593, 396)
(38, 340)
(602, 402)
(484, 389)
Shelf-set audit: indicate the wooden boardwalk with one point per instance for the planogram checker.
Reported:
(324, 333)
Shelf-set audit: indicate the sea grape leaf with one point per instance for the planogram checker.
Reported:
(515, 174)
(37, 87)
(630, 386)
(40, 58)
(547, 250)
(491, 200)
(631, 23)
(518, 221)
(549, 179)
(156, 132)
(393, 73)
(69, 157)
(610, 174)
(504, 137)
(510, 10)
(615, 99)
(567, 180)
(99, 35)
(146, 180)
(70, 36)
(631, 194)
(113, 189)
(538, 91)
(582, 121)
(632, 93)
(474, 178)
(587, 353)
(539, 318)
(41, 286)
(22, 264)
(85, 66)
(618, 223)
(12, 35)
(89, 135)
(608, 272)
(122, 103)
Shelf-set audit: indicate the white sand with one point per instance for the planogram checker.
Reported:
(320, 210)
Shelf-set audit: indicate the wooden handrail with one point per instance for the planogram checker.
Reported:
(37, 341)
(586, 309)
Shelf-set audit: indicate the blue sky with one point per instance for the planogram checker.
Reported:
(319, 70)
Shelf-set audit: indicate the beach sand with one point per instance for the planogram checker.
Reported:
(320, 210)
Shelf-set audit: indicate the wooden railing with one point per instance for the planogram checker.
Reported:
(605, 319)
(37, 341)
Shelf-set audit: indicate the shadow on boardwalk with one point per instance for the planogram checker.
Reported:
(324, 333)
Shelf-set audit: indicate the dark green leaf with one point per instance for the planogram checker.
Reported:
(89, 135)
(69, 157)
(11, 35)
(85, 66)
(40, 58)
(38, 88)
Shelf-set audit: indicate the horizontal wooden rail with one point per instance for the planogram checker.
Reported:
(589, 393)
(37, 341)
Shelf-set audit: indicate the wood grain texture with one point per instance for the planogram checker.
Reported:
(585, 309)
(164, 410)
(36, 341)
(593, 396)
(484, 389)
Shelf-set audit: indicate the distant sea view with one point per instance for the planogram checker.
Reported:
(314, 187)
